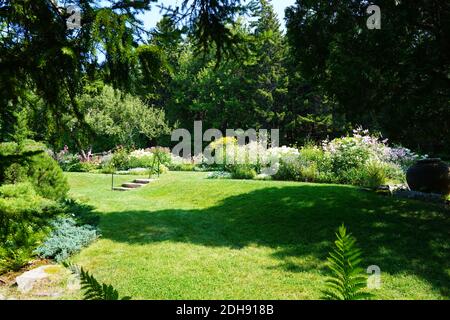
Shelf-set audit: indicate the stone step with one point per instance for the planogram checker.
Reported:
(143, 181)
(122, 189)
(132, 185)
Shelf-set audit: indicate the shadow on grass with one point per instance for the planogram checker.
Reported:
(397, 235)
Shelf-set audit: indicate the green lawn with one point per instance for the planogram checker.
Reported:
(187, 237)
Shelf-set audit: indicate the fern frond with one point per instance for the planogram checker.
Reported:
(347, 278)
(94, 290)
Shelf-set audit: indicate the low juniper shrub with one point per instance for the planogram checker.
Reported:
(66, 239)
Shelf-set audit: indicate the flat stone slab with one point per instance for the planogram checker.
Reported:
(27, 280)
(122, 189)
(143, 181)
(132, 185)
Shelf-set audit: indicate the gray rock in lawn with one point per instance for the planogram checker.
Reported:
(49, 294)
(27, 280)
(73, 283)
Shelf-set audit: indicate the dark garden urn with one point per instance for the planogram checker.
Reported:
(429, 175)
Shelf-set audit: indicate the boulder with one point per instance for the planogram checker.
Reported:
(27, 280)
(429, 176)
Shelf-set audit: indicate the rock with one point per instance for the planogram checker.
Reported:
(132, 185)
(386, 190)
(143, 181)
(2, 297)
(27, 280)
(121, 189)
(424, 196)
(429, 176)
(391, 189)
(73, 283)
(49, 294)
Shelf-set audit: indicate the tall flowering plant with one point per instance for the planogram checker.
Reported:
(352, 151)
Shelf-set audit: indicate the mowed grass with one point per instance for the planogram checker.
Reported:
(188, 237)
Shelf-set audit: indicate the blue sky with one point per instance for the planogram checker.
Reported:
(151, 18)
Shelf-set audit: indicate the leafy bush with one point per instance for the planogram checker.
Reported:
(371, 175)
(163, 154)
(219, 175)
(311, 164)
(24, 216)
(181, 164)
(107, 169)
(361, 159)
(142, 162)
(66, 239)
(348, 153)
(309, 172)
(120, 159)
(120, 118)
(66, 160)
(83, 166)
(13, 259)
(47, 177)
(316, 155)
(160, 170)
(39, 169)
(242, 172)
(347, 277)
(223, 151)
(183, 167)
(289, 170)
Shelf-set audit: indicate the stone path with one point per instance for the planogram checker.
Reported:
(138, 183)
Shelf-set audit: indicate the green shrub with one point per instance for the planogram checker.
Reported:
(120, 159)
(371, 174)
(243, 172)
(84, 166)
(288, 170)
(163, 154)
(67, 161)
(160, 170)
(142, 162)
(66, 239)
(316, 155)
(40, 169)
(108, 169)
(22, 210)
(16, 173)
(219, 175)
(24, 216)
(309, 172)
(394, 173)
(182, 167)
(348, 153)
(13, 258)
(47, 177)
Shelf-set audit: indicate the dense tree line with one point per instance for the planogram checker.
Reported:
(395, 79)
(208, 61)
